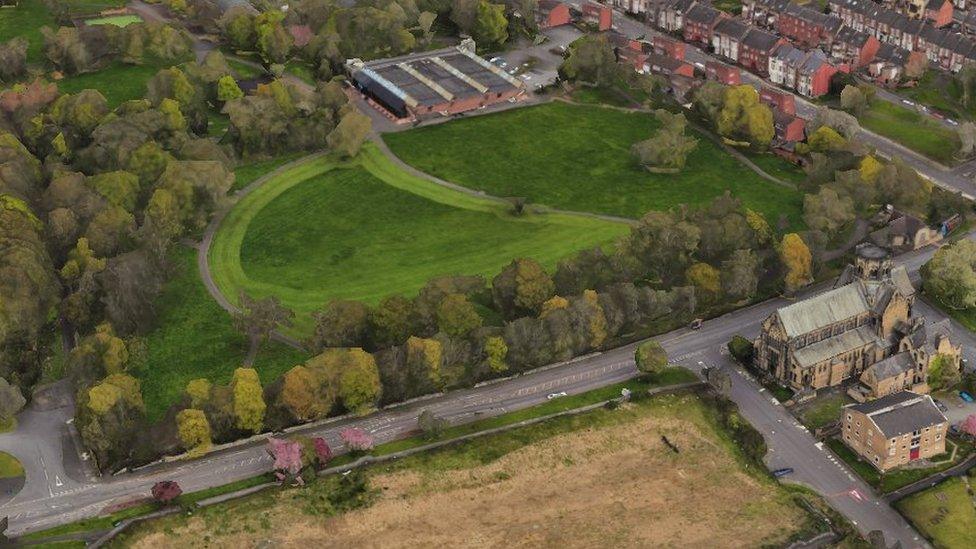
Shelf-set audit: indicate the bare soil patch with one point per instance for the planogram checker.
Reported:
(600, 486)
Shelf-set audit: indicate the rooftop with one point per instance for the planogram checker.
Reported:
(901, 413)
(823, 310)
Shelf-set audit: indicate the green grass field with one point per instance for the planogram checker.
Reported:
(195, 338)
(940, 91)
(115, 20)
(26, 21)
(911, 129)
(366, 229)
(825, 411)
(245, 174)
(578, 158)
(945, 514)
(117, 82)
(9, 466)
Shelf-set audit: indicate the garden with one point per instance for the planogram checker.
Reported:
(944, 514)
(365, 229)
(577, 157)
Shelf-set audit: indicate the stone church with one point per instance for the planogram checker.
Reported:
(860, 331)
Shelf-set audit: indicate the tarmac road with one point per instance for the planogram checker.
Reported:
(790, 445)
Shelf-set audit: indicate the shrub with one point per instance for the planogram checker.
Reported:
(741, 350)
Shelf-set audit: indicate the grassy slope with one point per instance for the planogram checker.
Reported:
(245, 174)
(196, 338)
(26, 21)
(302, 236)
(118, 82)
(578, 158)
(912, 130)
(956, 527)
(255, 516)
(9, 466)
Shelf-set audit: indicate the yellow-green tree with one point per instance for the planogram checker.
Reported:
(798, 260)
(299, 394)
(870, 168)
(495, 351)
(194, 431)
(199, 392)
(359, 382)
(743, 116)
(456, 315)
(596, 319)
(704, 277)
(424, 356)
(826, 139)
(249, 406)
(759, 225)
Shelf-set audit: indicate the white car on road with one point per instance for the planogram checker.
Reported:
(551, 396)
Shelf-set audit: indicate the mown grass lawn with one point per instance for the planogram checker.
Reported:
(366, 229)
(25, 20)
(9, 466)
(577, 157)
(825, 411)
(118, 82)
(245, 174)
(195, 338)
(911, 129)
(945, 514)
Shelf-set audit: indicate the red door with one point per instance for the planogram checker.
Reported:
(913, 454)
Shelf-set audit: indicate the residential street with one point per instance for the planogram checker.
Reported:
(44, 503)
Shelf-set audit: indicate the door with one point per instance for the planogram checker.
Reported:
(913, 453)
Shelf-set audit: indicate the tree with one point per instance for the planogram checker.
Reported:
(853, 100)
(299, 394)
(391, 321)
(194, 431)
(491, 26)
(950, 276)
(356, 440)
(704, 277)
(651, 358)
(521, 288)
(166, 491)
(287, 456)
(827, 211)
(258, 318)
(359, 382)
(109, 415)
(227, 89)
(968, 425)
(13, 58)
(846, 124)
(350, 134)
(342, 323)
(237, 24)
(590, 59)
(495, 352)
(661, 244)
(739, 274)
(199, 392)
(430, 425)
(943, 372)
(249, 406)
(798, 260)
(424, 360)
(826, 139)
(464, 14)
(11, 401)
(273, 41)
(720, 380)
(709, 99)
(456, 315)
(869, 168)
(743, 116)
(741, 349)
(669, 148)
(967, 139)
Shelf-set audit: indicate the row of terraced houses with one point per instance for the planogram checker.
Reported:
(801, 48)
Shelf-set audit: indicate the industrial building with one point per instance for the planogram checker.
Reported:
(441, 82)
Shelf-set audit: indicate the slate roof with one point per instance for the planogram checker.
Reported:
(731, 27)
(849, 36)
(892, 366)
(700, 13)
(901, 413)
(834, 346)
(823, 310)
(760, 40)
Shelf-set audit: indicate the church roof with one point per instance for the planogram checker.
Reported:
(892, 366)
(899, 277)
(823, 310)
(833, 346)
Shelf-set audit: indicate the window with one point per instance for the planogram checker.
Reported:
(938, 437)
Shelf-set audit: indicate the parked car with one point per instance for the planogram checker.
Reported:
(783, 472)
(907, 102)
(966, 396)
(951, 121)
(551, 396)
(696, 324)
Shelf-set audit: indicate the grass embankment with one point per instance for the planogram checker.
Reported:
(118, 82)
(10, 467)
(577, 157)
(246, 174)
(25, 20)
(365, 229)
(944, 514)
(897, 478)
(196, 338)
(911, 129)
(824, 411)
(578, 480)
(941, 91)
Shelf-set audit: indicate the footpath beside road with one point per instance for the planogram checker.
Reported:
(956, 470)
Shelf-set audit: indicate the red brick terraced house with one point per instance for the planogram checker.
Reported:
(727, 36)
(854, 47)
(789, 129)
(757, 46)
(806, 27)
(669, 47)
(814, 74)
(598, 14)
(782, 101)
(763, 13)
(669, 66)
(636, 59)
(699, 23)
(723, 74)
(552, 13)
(939, 12)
